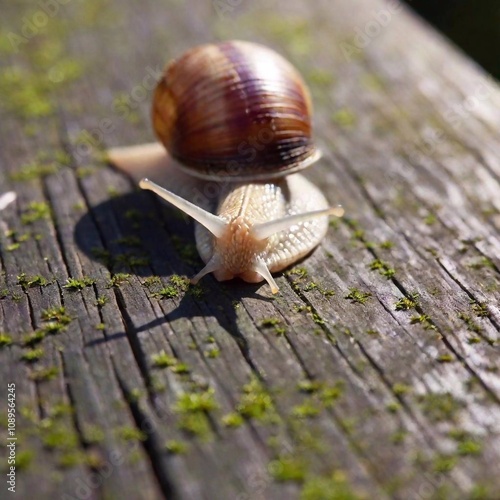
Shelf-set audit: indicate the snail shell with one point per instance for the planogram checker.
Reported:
(235, 109)
(209, 106)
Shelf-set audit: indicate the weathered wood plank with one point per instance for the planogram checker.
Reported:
(373, 374)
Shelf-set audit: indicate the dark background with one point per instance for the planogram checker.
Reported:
(474, 25)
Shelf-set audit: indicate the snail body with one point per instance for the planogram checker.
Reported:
(236, 115)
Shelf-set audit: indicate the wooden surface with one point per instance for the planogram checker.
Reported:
(374, 372)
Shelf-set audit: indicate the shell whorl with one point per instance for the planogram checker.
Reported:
(234, 110)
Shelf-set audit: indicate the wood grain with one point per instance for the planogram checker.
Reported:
(373, 374)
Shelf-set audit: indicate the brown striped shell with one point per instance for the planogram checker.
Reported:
(234, 110)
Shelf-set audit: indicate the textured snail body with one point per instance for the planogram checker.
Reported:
(234, 109)
(239, 114)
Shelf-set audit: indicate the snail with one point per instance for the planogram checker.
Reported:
(234, 121)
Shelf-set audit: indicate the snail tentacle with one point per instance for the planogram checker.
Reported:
(261, 268)
(216, 225)
(266, 229)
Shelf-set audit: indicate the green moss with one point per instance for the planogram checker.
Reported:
(193, 408)
(177, 285)
(118, 279)
(196, 424)
(85, 171)
(320, 77)
(102, 301)
(288, 468)
(152, 282)
(100, 326)
(232, 419)
(424, 320)
(256, 403)
(481, 263)
(481, 492)
(36, 211)
(75, 284)
(382, 267)
(176, 447)
(58, 314)
(471, 324)
(128, 433)
(309, 386)
(407, 303)
(299, 272)
(273, 323)
(33, 355)
(131, 260)
(93, 434)
(131, 241)
(56, 435)
(78, 207)
(430, 219)
(480, 309)
(445, 358)
(474, 340)
(268, 322)
(31, 281)
(113, 192)
(292, 32)
(53, 328)
(469, 447)
(34, 171)
(335, 487)
(167, 292)
(373, 82)
(440, 407)
(163, 360)
(387, 245)
(398, 437)
(393, 407)
(12, 247)
(357, 296)
(305, 410)
(24, 458)
(26, 94)
(34, 338)
(212, 353)
(400, 389)
(68, 459)
(180, 368)
(444, 463)
(344, 117)
(44, 374)
(330, 393)
(192, 402)
(5, 340)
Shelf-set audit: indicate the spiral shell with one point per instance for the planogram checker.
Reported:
(234, 110)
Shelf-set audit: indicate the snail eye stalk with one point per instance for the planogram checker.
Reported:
(216, 225)
(266, 229)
